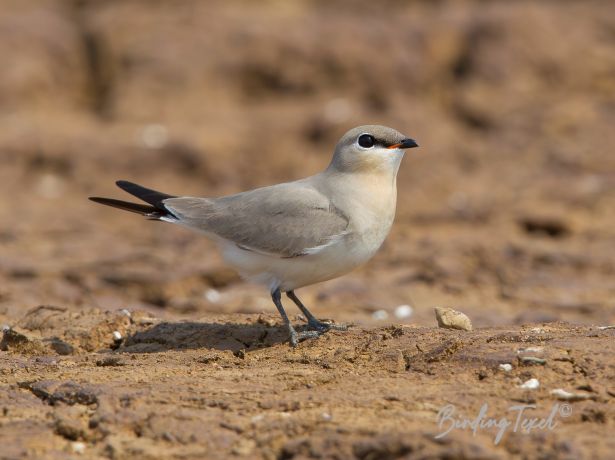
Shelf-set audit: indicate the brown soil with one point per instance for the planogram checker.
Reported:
(505, 213)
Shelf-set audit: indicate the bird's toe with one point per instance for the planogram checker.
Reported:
(321, 326)
(296, 337)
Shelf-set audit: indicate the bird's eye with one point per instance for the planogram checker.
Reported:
(366, 141)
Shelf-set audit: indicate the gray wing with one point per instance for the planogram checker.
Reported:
(286, 220)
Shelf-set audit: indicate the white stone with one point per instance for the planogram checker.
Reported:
(380, 315)
(213, 295)
(564, 395)
(78, 447)
(403, 311)
(531, 384)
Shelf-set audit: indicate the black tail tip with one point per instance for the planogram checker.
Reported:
(124, 183)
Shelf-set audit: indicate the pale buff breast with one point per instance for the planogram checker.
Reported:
(370, 205)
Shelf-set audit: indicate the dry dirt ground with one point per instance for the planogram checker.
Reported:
(124, 338)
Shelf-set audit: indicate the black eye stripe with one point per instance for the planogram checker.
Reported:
(366, 141)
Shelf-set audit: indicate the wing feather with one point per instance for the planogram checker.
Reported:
(286, 220)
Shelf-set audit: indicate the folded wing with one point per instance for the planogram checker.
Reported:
(285, 220)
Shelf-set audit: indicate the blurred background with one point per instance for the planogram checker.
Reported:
(505, 212)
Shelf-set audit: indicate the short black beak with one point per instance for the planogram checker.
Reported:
(404, 144)
(408, 144)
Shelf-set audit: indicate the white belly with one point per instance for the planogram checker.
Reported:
(293, 273)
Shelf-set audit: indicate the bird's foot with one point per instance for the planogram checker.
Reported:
(314, 330)
(296, 337)
(321, 326)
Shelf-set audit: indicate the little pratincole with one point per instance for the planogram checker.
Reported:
(294, 234)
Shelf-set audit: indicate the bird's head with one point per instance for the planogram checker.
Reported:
(370, 148)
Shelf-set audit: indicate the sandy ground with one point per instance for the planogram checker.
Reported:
(228, 385)
(504, 213)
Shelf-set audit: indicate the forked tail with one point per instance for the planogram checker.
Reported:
(155, 208)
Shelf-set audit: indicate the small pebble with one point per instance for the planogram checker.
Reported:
(403, 311)
(326, 416)
(126, 312)
(564, 395)
(6, 327)
(531, 384)
(117, 336)
(213, 295)
(380, 314)
(78, 447)
(530, 350)
(452, 319)
(506, 367)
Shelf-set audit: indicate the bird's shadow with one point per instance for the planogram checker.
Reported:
(193, 335)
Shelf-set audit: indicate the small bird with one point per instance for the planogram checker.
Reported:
(299, 233)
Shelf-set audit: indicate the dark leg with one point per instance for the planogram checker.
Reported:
(294, 336)
(313, 322)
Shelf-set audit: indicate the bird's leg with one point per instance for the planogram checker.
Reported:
(294, 336)
(314, 323)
